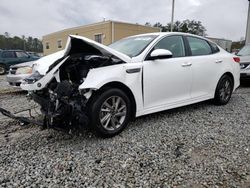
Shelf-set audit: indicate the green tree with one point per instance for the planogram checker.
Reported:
(186, 26)
(22, 43)
(148, 24)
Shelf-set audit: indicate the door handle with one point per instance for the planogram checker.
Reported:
(186, 64)
(218, 61)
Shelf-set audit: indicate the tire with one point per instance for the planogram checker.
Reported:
(223, 90)
(2, 69)
(109, 112)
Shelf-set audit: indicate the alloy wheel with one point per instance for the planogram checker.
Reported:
(113, 113)
(225, 91)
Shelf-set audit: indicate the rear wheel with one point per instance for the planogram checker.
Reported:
(2, 69)
(224, 90)
(109, 112)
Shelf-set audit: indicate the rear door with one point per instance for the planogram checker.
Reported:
(206, 67)
(9, 58)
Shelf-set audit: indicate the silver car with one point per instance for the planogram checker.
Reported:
(244, 54)
(19, 72)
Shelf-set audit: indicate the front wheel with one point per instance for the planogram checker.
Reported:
(109, 112)
(2, 69)
(224, 90)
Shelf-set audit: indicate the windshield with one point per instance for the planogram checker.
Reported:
(133, 46)
(245, 51)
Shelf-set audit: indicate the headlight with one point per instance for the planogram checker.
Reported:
(24, 70)
(33, 78)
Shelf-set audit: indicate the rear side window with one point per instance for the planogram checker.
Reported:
(8, 54)
(172, 43)
(199, 46)
(214, 47)
(21, 54)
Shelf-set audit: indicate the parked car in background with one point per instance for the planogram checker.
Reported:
(19, 72)
(105, 86)
(235, 51)
(244, 54)
(35, 54)
(13, 57)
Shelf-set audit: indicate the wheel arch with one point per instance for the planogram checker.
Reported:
(228, 74)
(4, 65)
(124, 88)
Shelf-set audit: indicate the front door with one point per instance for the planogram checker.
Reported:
(167, 82)
(22, 56)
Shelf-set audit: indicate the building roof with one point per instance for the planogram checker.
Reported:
(98, 23)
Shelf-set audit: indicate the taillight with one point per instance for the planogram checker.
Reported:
(236, 59)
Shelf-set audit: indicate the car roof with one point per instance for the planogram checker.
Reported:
(161, 34)
(171, 33)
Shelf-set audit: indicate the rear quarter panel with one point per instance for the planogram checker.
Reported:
(229, 65)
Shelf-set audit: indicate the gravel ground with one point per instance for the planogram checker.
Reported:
(4, 85)
(201, 145)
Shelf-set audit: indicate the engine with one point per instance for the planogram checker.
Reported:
(62, 105)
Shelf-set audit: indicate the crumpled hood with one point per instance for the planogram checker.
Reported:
(76, 44)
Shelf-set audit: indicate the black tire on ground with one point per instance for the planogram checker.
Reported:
(223, 90)
(2, 69)
(108, 108)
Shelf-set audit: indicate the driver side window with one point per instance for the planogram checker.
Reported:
(174, 44)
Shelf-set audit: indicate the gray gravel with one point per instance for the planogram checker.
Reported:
(201, 145)
(5, 85)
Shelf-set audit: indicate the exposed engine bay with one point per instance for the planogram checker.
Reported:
(62, 104)
(54, 83)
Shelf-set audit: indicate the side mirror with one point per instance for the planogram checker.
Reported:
(160, 54)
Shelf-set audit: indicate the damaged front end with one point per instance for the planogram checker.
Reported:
(55, 82)
(62, 105)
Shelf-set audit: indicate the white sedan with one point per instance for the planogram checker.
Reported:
(104, 87)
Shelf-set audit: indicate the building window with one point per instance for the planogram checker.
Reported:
(59, 43)
(47, 45)
(98, 38)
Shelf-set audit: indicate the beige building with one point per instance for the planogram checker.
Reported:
(104, 32)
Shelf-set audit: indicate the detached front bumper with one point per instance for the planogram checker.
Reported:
(21, 119)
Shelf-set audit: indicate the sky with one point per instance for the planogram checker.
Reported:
(222, 18)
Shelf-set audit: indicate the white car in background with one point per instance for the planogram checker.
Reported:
(17, 73)
(105, 86)
(244, 54)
